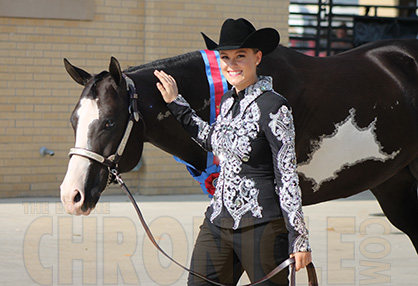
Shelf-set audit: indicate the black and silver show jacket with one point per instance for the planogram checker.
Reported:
(254, 139)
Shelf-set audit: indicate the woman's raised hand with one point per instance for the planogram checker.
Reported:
(167, 86)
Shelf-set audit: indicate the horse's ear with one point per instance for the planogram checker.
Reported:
(115, 71)
(78, 75)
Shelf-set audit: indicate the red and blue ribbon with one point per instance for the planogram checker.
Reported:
(217, 87)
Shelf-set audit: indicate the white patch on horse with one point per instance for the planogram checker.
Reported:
(87, 113)
(78, 166)
(347, 146)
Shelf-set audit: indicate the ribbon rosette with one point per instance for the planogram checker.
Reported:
(210, 183)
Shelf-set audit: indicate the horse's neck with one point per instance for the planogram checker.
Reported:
(163, 131)
(188, 71)
(192, 81)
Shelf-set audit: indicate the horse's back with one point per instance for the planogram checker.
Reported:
(395, 58)
(386, 71)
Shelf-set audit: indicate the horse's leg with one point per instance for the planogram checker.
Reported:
(399, 200)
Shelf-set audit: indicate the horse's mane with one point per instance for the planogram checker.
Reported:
(161, 63)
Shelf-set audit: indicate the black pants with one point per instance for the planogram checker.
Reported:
(223, 254)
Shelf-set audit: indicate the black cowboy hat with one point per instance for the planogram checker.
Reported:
(240, 33)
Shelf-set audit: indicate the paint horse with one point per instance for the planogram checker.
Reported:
(355, 114)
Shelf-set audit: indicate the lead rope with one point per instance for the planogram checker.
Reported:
(288, 262)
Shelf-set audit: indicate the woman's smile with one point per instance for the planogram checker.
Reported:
(234, 73)
(240, 66)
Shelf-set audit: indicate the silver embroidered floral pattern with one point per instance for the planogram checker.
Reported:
(180, 100)
(203, 127)
(282, 127)
(231, 141)
(226, 106)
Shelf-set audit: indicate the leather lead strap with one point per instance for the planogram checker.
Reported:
(288, 262)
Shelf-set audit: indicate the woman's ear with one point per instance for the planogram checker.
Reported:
(258, 57)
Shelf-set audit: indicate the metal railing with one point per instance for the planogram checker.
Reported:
(314, 25)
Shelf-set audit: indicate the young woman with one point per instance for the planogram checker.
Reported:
(255, 219)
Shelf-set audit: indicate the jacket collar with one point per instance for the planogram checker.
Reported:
(263, 84)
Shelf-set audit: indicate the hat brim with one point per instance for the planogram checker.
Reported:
(265, 39)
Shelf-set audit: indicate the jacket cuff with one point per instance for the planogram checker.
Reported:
(300, 244)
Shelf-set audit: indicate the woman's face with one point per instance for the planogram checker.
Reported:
(239, 67)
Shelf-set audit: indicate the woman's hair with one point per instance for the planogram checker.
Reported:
(255, 50)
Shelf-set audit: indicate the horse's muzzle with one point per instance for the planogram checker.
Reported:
(74, 203)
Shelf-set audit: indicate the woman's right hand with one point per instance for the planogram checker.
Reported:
(167, 86)
(302, 259)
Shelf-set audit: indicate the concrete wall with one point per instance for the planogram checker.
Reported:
(382, 12)
(37, 96)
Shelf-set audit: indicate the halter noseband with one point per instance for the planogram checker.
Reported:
(112, 161)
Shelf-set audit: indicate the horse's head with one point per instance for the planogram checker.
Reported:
(99, 120)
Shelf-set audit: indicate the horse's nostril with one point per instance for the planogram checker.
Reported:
(77, 198)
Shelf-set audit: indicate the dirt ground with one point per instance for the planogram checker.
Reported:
(352, 242)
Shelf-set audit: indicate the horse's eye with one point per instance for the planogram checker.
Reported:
(109, 124)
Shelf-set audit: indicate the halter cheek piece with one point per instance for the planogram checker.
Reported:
(112, 161)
